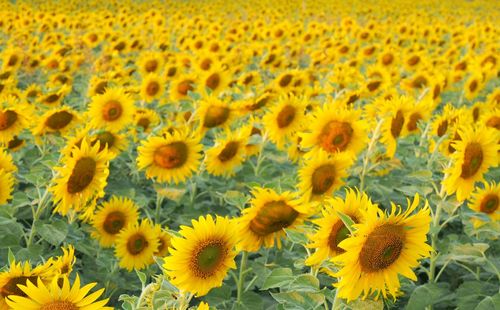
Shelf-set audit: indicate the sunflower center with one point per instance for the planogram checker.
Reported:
(413, 120)
(229, 151)
(473, 86)
(473, 158)
(373, 86)
(273, 217)
(82, 175)
(161, 245)
(285, 80)
(105, 138)
(11, 288)
(136, 244)
(59, 120)
(7, 119)
(213, 81)
(286, 116)
(112, 110)
(489, 204)
(151, 65)
(338, 233)
(382, 247)
(114, 222)
(215, 116)
(323, 179)
(387, 59)
(59, 305)
(15, 142)
(208, 258)
(51, 98)
(152, 88)
(171, 156)
(184, 87)
(442, 128)
(397, 124)
(335, 136)
(494, 122)
(144, 122)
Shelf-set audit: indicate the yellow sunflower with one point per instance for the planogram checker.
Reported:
(180, 87)
(82, 177)
(474, 154)
(54, 296)
(381, 248)
(6, 186)
(322, 173)
(112, 110)
(14, 118)
(113, 142)
(111, 217)
(213, 112)
(228, 153)
(135, 245)
(164, 241)
(63, 265)
(263, 222)
(152, 87)
(6, 161)
(214, 80)
(331, 229)
(395, 113)
(487, 201)
(146, 119)
(285, 118)
(202, 255)
(335, 128)
(56, 120)
(150, 62)
(172, 158)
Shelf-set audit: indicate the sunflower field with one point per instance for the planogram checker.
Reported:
(249, 154)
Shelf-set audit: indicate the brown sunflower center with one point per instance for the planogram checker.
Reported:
(171, 156)
(137, 243)
(11, 288)
(413, 120)
(397, 123)
(12, 60)
(229, 151)
(144, 122)
(151, 65)
(213, 81)
(162, 244)
(82, 175)
(473, 158)
(273, 217)
(114, 222)
(285, 80)
(473, 86)
(105, 138)
(387, 59)
(208, 258)
(493, 122)
(442, 128)
(373, 86)
(489, 204)
(7, 119)
(382, 247)
(51, 98)
(112, 110)
(185, 86)
(215, 116)
(59, 305)
(15, 142)
(323, 179)
(152, 88)
(338, 233)
(286, 116)
(335, 136)
(59, 120)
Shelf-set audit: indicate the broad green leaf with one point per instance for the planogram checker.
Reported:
(54, 233)
(300, 300)
(348, 222)
(427, 295)
(279, 277)
(489, 303)
(250, 301)
(303, 283)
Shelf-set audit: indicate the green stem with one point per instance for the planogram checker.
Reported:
(336, 300)
(36, 214)
(369, 150)
(159, 201)
(241, 278)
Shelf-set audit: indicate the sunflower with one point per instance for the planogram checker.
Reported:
(395, 113)
(14, 118)
(111, 217)
(152, 87)
(419, 112)
(474, 154)
(164, 241)
(54, 296)
(214, 80)
(486, 201)
(474, 84)
(115, 143)
(82, 177)
(181, 86)
(54, 97)
(202, 255)
(112, 110)
(285, 118)
(135, 245)
(63, 265)
(19, 273)
(6, 186)
(228, 153)
(381, 248)
(331, 229)
(6, 161)
(172, 158)
(56, 120)
(146, 119)
(16, 144)
(322, 174)
(336, 129)
(150, 62)
(263, 222)
(213, 112)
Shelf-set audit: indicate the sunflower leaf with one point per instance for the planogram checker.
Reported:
(348, 222)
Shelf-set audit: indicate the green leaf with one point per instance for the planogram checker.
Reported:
(11, 257)
(489, 303)
(300, 300)
(304, 283)
(250, 301)
(279, 277)
(470, 293)
(367, 304)
(54, 233)
(427, 295)
(348, 222)
(296, 236)
(142, 277)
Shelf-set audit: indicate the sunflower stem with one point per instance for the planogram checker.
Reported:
(241, 278)
(159, 201)
(336, 300)
(36, 214)
(369, 151)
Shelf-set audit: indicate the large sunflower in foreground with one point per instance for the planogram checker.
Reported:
(82, 177)
(136, 244)
(112, 217)
(474, 154)
(332, 230)
(56, 297)
(322, 174)
(383, 247)
(335, 128)
(263, 223)
(172, 158)
(112, 110)
(486, 201)
(228, 153)
(202, 255)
